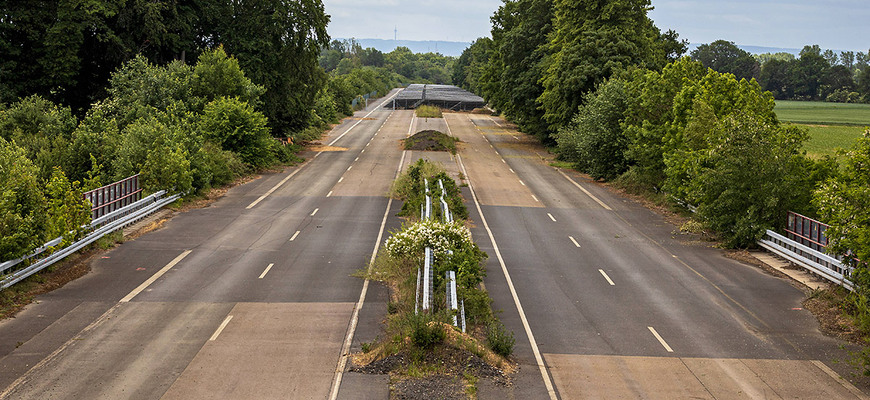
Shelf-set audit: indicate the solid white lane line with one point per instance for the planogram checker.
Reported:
(574, 241)
(292, 238)
(154, 277)
(538, 358)
(551, 217)
(329, 194)
(606, 277)
(266, 271)
(601, 203)
(315, 211)
(354, 320)
(273, 189)
(220, 328)
(363, 118)
(662, 341)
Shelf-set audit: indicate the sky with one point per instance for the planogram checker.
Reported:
(832, 24)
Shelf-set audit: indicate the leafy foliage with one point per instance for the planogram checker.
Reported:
(237, 127)
(22, 218)
(844, 204)
(594, 140)
(723, 56)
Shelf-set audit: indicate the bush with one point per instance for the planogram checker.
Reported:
(428, 112)
(426, 331)
(500, 340)
(23, 220)
(67, 210)
(594, 140)
(218, 75)
(237, 127)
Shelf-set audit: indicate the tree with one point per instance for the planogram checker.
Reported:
(777, 78)
(468, 71)
(594, 140)
(22, 204)
(725, 57)
(591, 40)
(809, 72)
(520, 31)
(745, 183)
(844, 204)
(216, 74)
(42, 128)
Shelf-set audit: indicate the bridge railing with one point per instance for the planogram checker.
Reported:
(814, 260)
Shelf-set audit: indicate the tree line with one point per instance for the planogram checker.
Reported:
(599, 82)
(189, 94)
(842, 77)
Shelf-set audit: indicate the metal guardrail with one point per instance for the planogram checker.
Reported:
(820, 263)
(98, 228)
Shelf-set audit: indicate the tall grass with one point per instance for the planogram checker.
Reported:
(428, 112)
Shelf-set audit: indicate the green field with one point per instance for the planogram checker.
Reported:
(831, 125)
(825, 139)
(821, 113)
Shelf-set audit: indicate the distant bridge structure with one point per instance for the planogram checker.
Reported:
(444, 96)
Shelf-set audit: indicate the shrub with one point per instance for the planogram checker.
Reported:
(500, 340)
(67, 210)
(237, 127)
(22, 217)
(218, 75)
(426, 331)
(594, 140)
(428, 112)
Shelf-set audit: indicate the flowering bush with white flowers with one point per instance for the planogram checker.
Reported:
(442, 237)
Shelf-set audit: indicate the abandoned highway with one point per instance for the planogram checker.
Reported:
(252, 297)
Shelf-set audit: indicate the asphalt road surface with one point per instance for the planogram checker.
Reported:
(253, 298)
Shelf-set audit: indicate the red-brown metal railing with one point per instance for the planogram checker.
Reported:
(114, 196)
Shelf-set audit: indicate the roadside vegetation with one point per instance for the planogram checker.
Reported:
(431, 141)
(696, 132)
(426, 345)
(425, 111)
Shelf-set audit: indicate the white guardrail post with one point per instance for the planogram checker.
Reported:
(820, 263)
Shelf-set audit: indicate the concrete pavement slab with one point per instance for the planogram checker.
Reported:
(268, 351)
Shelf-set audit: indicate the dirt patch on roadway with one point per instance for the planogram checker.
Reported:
(431, 140)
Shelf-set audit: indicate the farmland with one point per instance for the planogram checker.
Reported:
(830, 125)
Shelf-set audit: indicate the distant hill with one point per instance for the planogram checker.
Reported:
(454, 49)
(755, 49)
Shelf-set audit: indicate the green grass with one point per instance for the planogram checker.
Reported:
(826, 139)
(428, 112)
(822, 113)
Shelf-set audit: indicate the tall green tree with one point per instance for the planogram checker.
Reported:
(520, 32)
(591, 40)
(277, 43)
(724, 56)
